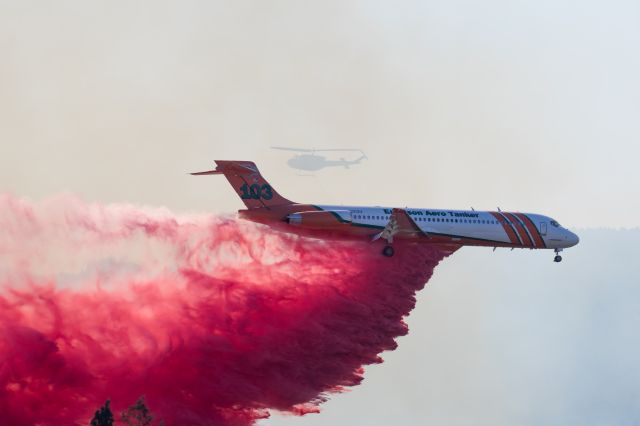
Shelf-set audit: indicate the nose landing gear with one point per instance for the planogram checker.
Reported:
(388, 251)
(557, 258)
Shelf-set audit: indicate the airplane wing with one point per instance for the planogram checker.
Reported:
(400, 224)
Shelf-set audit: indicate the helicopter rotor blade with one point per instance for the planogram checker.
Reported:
(284, 148)
(338, 150)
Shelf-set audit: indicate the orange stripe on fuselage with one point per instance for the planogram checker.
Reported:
(526, 241)
(507, 228)
(539, 242)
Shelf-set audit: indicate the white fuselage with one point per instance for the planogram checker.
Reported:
(484, 227)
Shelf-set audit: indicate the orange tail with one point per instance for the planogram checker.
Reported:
(249, 184)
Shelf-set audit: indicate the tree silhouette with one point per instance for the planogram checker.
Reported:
(104, 416)
(138, 414)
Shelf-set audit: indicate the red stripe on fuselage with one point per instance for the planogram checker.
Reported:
(537, 238)
(526, 241)
(507, 228)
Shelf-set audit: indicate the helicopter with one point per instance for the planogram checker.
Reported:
(309, 161)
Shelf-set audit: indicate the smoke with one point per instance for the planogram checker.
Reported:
(216, 321)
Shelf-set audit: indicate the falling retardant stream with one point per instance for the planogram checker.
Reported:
(216, 321)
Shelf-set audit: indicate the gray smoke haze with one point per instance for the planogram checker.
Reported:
(529, 106)
(510, 338)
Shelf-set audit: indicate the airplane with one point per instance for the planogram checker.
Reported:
(451, 229)
(312, 162)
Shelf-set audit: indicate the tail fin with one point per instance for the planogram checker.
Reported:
(249, 184)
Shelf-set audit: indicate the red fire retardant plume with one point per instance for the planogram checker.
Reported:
(215, 320)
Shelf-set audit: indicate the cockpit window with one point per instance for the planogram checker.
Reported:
(556, 224)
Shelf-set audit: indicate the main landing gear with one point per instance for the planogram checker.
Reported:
(558, 258)
(388, 251)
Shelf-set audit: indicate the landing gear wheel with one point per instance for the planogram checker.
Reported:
(558, 258)
(388, 251)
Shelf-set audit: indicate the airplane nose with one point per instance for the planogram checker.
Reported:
(572, 239)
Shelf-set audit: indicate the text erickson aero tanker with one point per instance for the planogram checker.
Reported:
(450, 229)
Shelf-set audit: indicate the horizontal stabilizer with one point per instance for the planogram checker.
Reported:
(210, 172)
(254, 191)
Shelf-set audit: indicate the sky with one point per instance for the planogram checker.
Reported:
(525, 106)
(529, 106)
